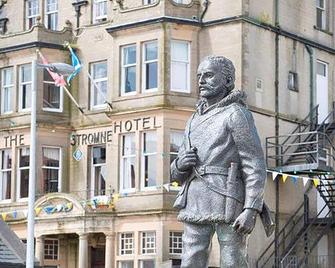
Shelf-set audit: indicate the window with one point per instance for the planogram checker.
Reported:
(99, 10)
(176, 242)
(51, 169)
(147, 263)
(52, 95)
(128, 72)
(180, 66)
(126, 264)
(25, 87)
(150, 65)
(321, 14)
(98, 85)
(149, 2)
(32, 12)
(7, 85)
(99, 170)
(148, 242)
(126, 244)
(23, 173)
(183, 2)
(51, 246)
(128, 155)
(51, 14)
(149, 156)
(6, 174)
(176, 140)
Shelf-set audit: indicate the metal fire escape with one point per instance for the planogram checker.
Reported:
(308, 151)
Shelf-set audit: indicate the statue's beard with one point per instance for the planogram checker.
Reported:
(209, 92)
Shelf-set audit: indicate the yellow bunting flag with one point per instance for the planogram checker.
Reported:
(316, 182)
(116, 197)
(4, 215)
(284, 176)
(38, 210)
(174, 184)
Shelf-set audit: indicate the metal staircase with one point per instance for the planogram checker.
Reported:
(307, 151)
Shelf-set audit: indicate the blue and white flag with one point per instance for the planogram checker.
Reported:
(75, 63)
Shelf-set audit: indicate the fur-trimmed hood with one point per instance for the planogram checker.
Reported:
(235, 95)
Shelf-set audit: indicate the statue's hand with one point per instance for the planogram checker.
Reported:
(187, 160)
(245, 222)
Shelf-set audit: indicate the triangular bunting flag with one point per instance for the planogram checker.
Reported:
(305, 180)
(4, 216)
(274, 175)
(37, 211)
(174, 184)
(116, 197)
(294, 179)
(25, 213)
(166, 187)
(14, 214)
(316, 182)
(284, 176)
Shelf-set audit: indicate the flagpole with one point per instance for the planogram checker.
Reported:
(30, 257)
(73, 99)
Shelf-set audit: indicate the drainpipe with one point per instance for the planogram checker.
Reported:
(277, 256)
(205, 4)
(77, 5)
(311, 81)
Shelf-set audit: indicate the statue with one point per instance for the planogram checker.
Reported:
(222, 170)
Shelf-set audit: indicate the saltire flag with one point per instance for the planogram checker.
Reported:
(59, 79)
(75, 63)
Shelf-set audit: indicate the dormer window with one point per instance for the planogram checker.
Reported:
(32, 12)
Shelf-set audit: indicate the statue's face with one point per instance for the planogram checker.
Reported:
(212, 82)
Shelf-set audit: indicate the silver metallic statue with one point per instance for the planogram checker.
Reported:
(222, 170)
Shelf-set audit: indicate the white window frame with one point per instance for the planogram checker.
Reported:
(148, 239)
(93, 88)
(149, 2)
(172, 249)
(53, 254)
(5, 170)
(59, 188)
(93, 167)
(96, 5)
(47, 13)
(141, 265)
(129, 243)
(188, 63)
(21, 84)
(183, 2)
(123, 71)
(19, 169)
(33, 16)
(323, 14)
(61, 97)
(143, 155)
(123, 161)
(121, 261)
(144, 63)
(9, 87)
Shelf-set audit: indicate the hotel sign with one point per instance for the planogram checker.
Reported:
(122, 126)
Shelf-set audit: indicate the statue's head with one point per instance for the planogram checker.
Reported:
(216, 77)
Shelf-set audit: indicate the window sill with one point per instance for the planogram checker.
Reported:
(52, 110)
(323, 30)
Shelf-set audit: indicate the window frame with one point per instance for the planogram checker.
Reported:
(188, 64)
(31, 17)
(10, 87)
(21, 84)
(323, 10)
(123, 160)
(102, 18)
(143, 250)
(181, 2)
(6, 170)
(141, 265)
(99, 191)
(59, 168)
(18, 175)
(121, 251)
(149, 2)
(180, 240)
(53, 245)
(61, 97)
(145, 62)
(48, 13)
(93, 88)
(123, 70)
(143, 155)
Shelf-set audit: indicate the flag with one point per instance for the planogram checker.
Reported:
(294, 179)
(305, 180)
(316, 182)
(284, 177)
(75, 63)
(59, 79)
(274, 175)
